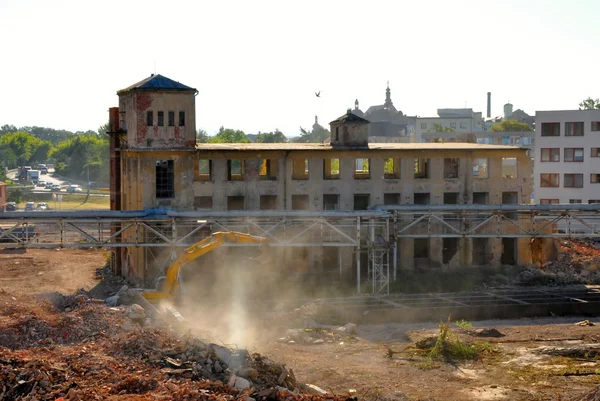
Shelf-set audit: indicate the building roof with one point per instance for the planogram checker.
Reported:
(2, 183)
(349, 117)
(157, 82)
(370, 146)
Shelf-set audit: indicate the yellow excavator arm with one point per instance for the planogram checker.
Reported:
(171, 283)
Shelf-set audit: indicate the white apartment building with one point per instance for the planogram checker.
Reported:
(567, 166)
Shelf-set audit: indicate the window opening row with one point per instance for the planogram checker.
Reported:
(160, 118)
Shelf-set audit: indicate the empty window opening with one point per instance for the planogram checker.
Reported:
(421, 248)
(331, 169)
(391, 168)
(574, 129)
(268, 202)
(509, 167)
(480, 251)
(449, 249)
(235, 203)
(480, 198)
(550, 154)
(510, 198)
(451, 167)
(165, 179)
(480, 167)
(573, 154)
(361, 201)
(331, 202)
(171, 118)
(549, 202)
(550, 129)
(149, 118)
(421, 168)
(337, 134)
(204, 169)
(391, 199)
(549, 180)
(573, 181)
(300, 202)
(593, 201)
(161, 118)
(595, 152)
(450, 198)
(300, 169)
(182, 118)
(268, 169)
(203, 202)
(235, 170)
(574, 201)
(361, 169)
(422, 198)
(595, 126)
(595, 178)
(509, 251)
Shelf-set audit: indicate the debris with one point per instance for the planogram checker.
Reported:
(486, 333)
(426, 343)
(584, 323)
(240, 382)
(311, 388)
(350, 329)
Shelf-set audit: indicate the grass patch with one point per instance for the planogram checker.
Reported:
(77, 202)
(448, 347)
(426, 365)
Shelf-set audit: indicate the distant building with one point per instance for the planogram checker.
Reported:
(3, 196)
(448, 124)
(567, 168)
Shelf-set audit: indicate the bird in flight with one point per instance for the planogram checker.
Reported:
(318, 94)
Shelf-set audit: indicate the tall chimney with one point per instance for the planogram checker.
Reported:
(489, 105)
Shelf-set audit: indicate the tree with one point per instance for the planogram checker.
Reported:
(316, 135)
(202, 136)
(103, 129)
(227, 135)
(80, 154)
(510, 126)
(271, 137)
(21, 148)
(589, 104)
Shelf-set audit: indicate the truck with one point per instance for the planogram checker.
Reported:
(43, 168)
(23, 172)
(33, 176)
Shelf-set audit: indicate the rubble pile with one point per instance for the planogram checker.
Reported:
(78, 349)
(578, 262)
(315, 336)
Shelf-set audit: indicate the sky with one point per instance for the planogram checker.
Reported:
(257, 64)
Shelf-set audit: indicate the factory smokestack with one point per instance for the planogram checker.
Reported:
(489, 105)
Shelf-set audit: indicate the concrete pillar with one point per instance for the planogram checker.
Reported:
(435, 252)
(347, 176)
(406, 259)
(465, 246)
(495, 252)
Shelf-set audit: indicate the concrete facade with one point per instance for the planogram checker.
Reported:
(567, 168)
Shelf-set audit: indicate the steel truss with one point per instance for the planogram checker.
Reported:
(377, 231)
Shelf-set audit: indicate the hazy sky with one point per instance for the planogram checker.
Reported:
(257, 64)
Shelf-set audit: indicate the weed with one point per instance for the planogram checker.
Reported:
(449, 347)
(463, 324)
(426, 365)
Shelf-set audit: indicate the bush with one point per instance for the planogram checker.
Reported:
(15, 195)
(448, 347)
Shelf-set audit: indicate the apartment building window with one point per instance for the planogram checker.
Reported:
(300, 202)
(235, 170)
(574, 201)
(548, 201)
(165, 179)
(574, 129)
(331, 169)
(573, 181)
(421, 168)
(361, 201)
(594, 178)
(149, 118)
(549, 180)
(171, 116)
(480, 167)
(331, 202)
(204, 169)
(595, 126)
(573, 154)
(550, 129)
(391, 168)
(235, 203)
(203, 202)
(300, 169)
(361, 169)
(509, 167)
(182, 118)
(161, 118)
(463, 125)
(550, 154)
(391, 199)
(527, 140)
(268, 169)
(268, 202)
(423, 125)
(595, 152)
(451, 167)
(593, 201)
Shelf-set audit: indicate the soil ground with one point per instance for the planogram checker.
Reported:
(518, 366)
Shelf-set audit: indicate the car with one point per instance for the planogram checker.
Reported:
(29, 206)
(55, 187)
(92, 185)
(42, 206)
(73, 188)
(41, 183)
(12, 206)
(49, 185)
